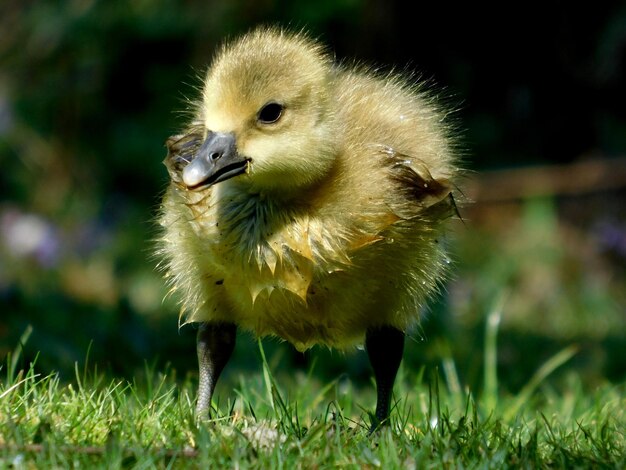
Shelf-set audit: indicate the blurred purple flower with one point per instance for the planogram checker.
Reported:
(30, 235)
(6, 113)
(611, 236)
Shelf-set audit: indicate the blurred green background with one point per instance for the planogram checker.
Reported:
(90, 90)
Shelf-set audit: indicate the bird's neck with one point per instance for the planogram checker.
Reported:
(259, 213)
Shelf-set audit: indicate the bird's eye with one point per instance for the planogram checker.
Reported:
(270, 113)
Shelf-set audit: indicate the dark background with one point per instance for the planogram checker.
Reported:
(90, 90)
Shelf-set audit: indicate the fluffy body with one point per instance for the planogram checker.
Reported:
(335, 226)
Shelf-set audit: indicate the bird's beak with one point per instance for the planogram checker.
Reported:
(216, 160)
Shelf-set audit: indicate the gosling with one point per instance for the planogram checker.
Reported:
(307, 201)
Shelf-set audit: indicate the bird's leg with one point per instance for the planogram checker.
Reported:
(384, 346)
(215, 345)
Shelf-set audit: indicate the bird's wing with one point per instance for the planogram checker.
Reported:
(181, 149)
(420, 189)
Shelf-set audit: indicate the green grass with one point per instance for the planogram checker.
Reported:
(294, 421)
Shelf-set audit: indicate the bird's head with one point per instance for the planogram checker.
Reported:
(265, 119)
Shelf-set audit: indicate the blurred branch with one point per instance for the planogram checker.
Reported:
(554, 180)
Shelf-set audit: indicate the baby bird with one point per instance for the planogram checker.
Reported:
(306, 202)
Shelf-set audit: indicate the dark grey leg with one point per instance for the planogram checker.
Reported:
(384, 346)
(215, 345)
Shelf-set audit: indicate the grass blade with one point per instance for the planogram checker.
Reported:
(17, 352)
(490, 391)
(544, 371)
